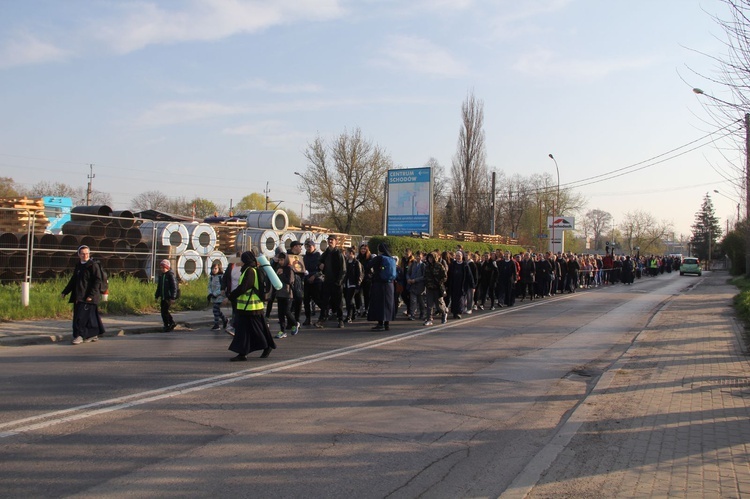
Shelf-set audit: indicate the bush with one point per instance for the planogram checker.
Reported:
(127, 296)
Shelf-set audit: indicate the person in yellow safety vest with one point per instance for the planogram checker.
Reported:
(251, 332)
(653, 266)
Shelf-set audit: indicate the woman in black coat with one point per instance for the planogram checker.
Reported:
(84, 289)
(382, 294)
(460, 280)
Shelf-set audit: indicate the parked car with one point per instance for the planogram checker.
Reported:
(690, 265)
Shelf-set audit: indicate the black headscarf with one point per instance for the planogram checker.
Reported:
(248, 259)
(383, 249)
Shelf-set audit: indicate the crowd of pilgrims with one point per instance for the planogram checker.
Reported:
(346, 285)
(432, 285)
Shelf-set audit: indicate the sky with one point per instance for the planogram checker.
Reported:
(220, 98)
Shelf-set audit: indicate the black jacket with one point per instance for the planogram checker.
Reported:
(166, 286)
(84, 283)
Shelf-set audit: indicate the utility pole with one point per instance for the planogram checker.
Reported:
(492, 206)
(89, 189)
(747, 195)
(267, 192)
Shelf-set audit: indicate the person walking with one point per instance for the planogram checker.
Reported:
(352, 282)
(382, 293)
(251, 333)
(415, 283)
(362, 299)
(84, 288)
(333, 267)
(434, 280)
(311, 291)
(298, 266)
(460, 280)
(166, 293)
(285, 296)
(230, 282)
(216, 295)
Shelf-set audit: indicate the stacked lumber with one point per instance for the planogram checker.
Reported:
(489, 238)
(446, 236)
(16, 215)
(465, 236)
(226, 235)
(315, 228)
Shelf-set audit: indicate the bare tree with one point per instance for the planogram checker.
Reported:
(60, 189)
(150, 200)
(641, 230)
(469, 168)
(598, 221)
(346, 176)
(514, 200)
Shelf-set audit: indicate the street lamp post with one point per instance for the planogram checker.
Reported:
(556, 204)
(309, 198)
(698, 91)
(733, 200)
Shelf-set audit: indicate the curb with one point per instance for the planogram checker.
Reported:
(47, 339)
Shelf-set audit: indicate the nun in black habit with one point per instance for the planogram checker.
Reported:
(251, 332)
(382, 298)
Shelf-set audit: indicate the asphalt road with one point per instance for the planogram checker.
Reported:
(448, 411)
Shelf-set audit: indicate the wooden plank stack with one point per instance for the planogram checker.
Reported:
(16, 215)
(226, 235)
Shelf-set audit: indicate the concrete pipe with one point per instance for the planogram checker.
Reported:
(130, 263)
(17, 262)
(9, 240)
(69, 241)
(274, 220)
(50, 241)
(106, 245)
(96, 212)
(189, 266)
(114, 263)
(41, 261)
(121, 246)
(112, 231)
(91, 242)
(216, 256)
(132, 235)
(59, 261)
(202, 238)
(123, 218)
(171, 235)
(93, 228)
(141, 248)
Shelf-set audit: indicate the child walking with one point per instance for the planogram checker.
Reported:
(216, 295)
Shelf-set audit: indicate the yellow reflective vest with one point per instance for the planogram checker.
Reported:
(250, 301)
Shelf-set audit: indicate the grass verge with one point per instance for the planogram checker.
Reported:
(127, 296)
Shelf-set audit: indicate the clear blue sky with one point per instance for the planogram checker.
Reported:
(215, 98)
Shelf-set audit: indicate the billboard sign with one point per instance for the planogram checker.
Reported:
(561, 222)
(409, 202)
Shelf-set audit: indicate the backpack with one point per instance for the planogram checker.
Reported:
(387, 271)
(264, 284)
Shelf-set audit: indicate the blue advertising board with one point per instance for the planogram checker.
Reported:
(409, 207)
